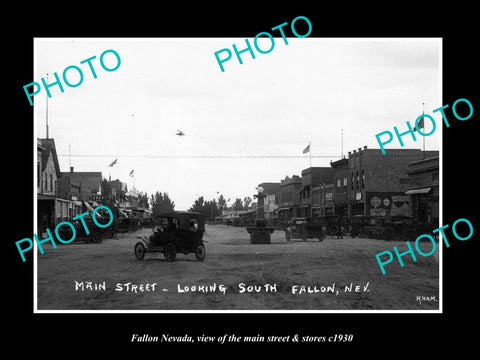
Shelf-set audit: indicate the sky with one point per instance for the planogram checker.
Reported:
(244, 126)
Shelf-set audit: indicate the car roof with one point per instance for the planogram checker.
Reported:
(178, 213)
(181, 215)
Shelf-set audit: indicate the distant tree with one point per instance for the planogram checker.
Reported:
(209, 209)
(168, 203)
(212, 209)
(161, 203)
(237, 205)
(198, 205)
(143, 200)
(221, 202)
(247, 201)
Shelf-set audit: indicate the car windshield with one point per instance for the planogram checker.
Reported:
(165, 224)
(186, 221)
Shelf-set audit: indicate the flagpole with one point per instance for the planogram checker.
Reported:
(423, 114)
(342, 146)
(46, 113)
(311, 190)
(310, 151)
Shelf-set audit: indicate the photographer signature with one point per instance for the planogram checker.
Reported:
(421, 299)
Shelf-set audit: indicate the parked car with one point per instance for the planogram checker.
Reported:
(174, 232)
(362, 226)
(390, 227)
(303, 228)
(95, 235)
(334, 224)
(401, 227)
(147, 222)
(127, 224)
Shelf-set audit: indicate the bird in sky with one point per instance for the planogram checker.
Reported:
(180, 133)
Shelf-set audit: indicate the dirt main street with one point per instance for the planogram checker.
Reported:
(336, 274)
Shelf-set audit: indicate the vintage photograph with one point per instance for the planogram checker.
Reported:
(167, 183)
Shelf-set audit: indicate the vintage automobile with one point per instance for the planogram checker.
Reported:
(174, 232)
(334, 224)
(389, 227)
(147, 222)
(128, 224)
(401, 227)
(303, 228)
(362, 226)
(96, 234)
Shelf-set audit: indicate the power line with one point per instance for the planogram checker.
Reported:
(201, 156)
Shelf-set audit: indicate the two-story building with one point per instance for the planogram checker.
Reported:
(316, 179)
(289, 198)
(423, 192)
(341, 189)
(376, 180)
(81, 185)
(52, 208)
(271, 202)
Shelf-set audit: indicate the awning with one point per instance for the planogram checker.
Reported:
(418, 191)
(88, 206)
(302, 188)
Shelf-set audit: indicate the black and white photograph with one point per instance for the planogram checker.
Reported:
(217, 179)
(261, 187)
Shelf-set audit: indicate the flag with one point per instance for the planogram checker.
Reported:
(307, 149)
(113, 163)
(420, 125)
(131, 173)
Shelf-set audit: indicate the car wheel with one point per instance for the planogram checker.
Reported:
(333, 229)
(170, 252)
(200, 252)
(389, 234)
(139, 250)
(97, 237)
(354, 233)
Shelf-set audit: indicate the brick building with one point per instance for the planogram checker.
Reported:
(322, 198)
(340, 186)
(423, 192)
(81, 185)
(377, 184)
(315, 179)
(289, 198)
(271, 189)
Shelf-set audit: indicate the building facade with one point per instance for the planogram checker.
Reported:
(289, 198)
(52, 208)
(341, 189)
(315, 179)
(271, 204)
(80, 185)
(424, 191)
(376, 182)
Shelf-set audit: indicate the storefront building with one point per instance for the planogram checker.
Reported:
(289, 202)
(424, 191)
(377, 183)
